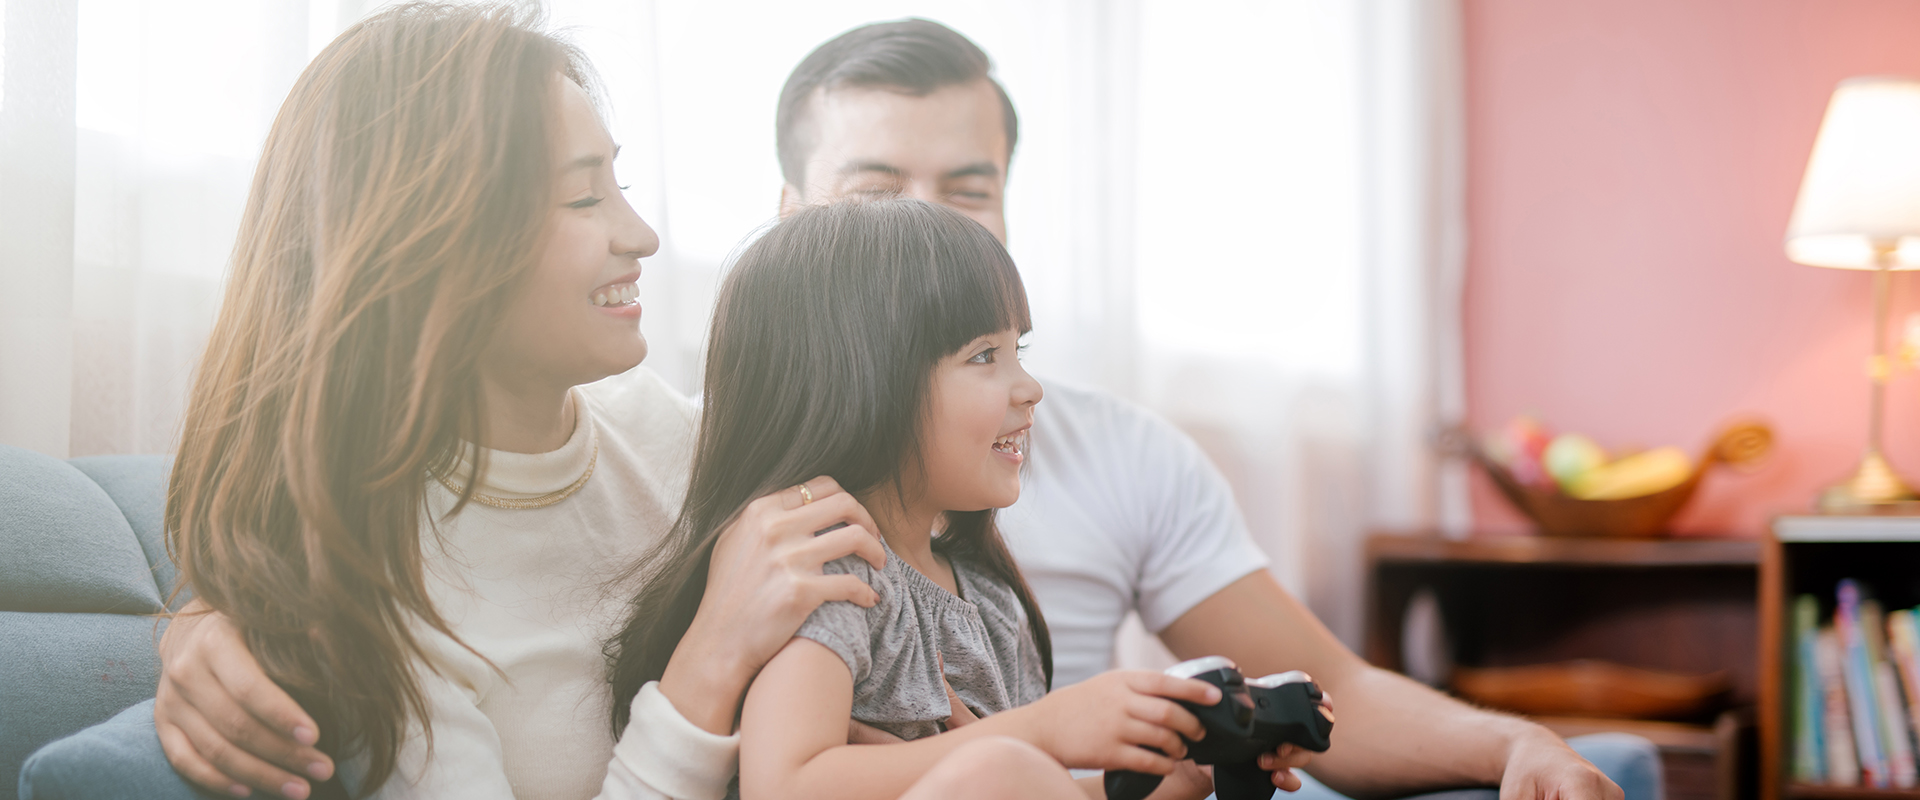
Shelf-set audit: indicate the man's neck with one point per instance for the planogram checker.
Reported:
(526, 417)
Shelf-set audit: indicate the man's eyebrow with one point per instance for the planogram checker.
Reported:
(855, 167)
(985, 169)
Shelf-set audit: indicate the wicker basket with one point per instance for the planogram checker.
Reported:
(1739, 445)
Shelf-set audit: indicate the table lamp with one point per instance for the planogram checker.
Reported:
(1859, 208)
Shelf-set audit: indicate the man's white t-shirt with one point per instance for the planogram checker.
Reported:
(1118, 511)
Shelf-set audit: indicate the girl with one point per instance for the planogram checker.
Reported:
(876, 342)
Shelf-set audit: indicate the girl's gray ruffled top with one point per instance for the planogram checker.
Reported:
(896, 648)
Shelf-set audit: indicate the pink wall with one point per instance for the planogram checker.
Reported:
(1632, 164)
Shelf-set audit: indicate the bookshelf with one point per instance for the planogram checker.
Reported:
(1809, 555)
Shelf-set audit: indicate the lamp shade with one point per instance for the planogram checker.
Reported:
(1862, 187)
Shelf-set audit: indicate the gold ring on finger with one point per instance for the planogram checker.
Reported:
(806, 495)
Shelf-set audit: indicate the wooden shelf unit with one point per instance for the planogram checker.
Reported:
(1681, 605)
(1809, 555)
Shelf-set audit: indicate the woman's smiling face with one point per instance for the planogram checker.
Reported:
(979, 410)
(576, 318)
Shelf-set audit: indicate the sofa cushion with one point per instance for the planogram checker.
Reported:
(138, 485)
(64, 545)
(65, 672)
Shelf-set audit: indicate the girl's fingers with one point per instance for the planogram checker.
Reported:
(1167, 715)
(1147, 734)
(1140, 759)
(1173, 688)
(852, 540)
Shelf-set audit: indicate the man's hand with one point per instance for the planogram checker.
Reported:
(223, 723)
(1540, 766)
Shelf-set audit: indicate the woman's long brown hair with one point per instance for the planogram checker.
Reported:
(400, 197)
(819, 362)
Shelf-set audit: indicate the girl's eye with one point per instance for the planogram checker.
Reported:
(586, 202)
(984, 356)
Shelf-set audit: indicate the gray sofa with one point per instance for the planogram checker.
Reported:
(84, 576)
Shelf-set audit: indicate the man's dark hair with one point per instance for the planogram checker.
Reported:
(911, 56)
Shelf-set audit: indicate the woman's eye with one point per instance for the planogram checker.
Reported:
(586, 202)
(984, 356)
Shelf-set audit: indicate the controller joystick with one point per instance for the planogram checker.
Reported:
(1252, 717)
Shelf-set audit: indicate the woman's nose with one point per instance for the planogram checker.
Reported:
(632, 236)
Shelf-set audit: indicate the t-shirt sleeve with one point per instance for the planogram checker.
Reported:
(1197, 539)
(844, 627)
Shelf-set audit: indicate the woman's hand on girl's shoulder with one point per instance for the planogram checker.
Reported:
(1108, 721)
(763, 581)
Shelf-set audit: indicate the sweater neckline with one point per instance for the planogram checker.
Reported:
(526, 475)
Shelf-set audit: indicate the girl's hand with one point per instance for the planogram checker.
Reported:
(1189, 781)
(1108, 721)
(763, 581)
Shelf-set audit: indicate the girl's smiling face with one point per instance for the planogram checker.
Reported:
(576, 318)
(974, 436)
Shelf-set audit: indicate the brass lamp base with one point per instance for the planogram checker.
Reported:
(1874, 487)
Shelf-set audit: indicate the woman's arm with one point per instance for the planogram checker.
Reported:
(227, 727)
(793, 729)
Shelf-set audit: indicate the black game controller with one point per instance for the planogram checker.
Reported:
(1253, 717)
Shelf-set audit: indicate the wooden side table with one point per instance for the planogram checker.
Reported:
(1679, 605)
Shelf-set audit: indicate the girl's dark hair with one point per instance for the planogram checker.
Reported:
(822, 351)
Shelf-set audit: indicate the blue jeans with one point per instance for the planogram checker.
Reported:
(121, 758)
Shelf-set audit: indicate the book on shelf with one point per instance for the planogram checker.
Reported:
(1856, 692)
(1858, 675)
(1895, 738)
(1843, 758)
(1903, 642)
(1809, 745)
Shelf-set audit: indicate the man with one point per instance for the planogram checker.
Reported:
(1120, 511)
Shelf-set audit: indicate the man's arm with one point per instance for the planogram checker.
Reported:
(1394, 736)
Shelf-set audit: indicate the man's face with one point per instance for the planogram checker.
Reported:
(948, 147)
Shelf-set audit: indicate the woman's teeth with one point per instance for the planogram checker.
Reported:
(1013, 445)
(620, 295)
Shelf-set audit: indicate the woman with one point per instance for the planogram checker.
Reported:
(391, 493)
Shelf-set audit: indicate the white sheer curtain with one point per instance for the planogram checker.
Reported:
(1244, 215)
